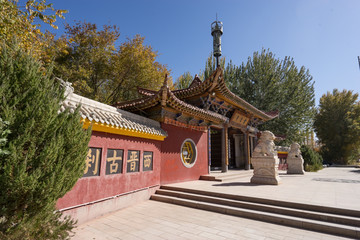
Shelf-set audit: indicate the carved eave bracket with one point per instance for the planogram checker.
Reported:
(211, 103)
(255, 122)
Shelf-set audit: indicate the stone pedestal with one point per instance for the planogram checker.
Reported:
(295, 165)
(265, 170)
(294, 160)
(265, 161)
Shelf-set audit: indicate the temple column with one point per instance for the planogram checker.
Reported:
(247, 151)
(237, 150)
(209, 150)
(251, 145)
(224, 149)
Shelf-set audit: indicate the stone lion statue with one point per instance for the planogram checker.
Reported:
(265, 146)
(294, 151)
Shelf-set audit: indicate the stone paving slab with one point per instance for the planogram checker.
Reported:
(337, 187)
(333, 187)
(155, 220)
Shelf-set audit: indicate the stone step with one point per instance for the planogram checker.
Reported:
(326, 217)
(303, 223)
(232, 177)
(279, 203)
(220, 177)
(209, 178)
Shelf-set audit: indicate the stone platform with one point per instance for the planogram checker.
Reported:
(333, 187)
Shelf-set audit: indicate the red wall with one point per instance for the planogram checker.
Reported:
(172, 169)
(89, 189)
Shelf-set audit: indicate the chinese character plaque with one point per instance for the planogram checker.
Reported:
(114, 161)
(92, 162)
(133, 161)
(148, 161)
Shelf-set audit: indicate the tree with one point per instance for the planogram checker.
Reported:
(135, 66)
(24, 25)
(87, 57)
(210, 65)
(337, 126)
(271, 84)
(45, 149)
(183, 81)
(312, 159)
(103, 72)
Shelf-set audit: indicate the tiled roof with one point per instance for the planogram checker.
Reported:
(146, 92)
(104, 114)
(216, 83)
(273, 113)
(177, 103)
(281, 149)
(195, 82)
(166, 97)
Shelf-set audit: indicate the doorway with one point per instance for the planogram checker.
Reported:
(216, 146)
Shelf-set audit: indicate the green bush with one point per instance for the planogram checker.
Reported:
(44, 149)
(312, 159)
(4, 131)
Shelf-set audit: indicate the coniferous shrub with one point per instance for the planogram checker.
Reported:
(45, 148)
(312, 159)
(4, 131)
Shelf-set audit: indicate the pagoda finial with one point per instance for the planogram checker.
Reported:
(216, 32)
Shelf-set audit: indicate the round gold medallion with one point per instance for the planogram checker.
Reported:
(188, 153)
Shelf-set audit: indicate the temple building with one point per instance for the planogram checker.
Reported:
(166, 136)
(209, 106)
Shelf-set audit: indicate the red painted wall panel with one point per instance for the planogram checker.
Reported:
(172, 168)
(89, 189)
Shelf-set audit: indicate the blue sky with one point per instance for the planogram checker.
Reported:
(322, 35)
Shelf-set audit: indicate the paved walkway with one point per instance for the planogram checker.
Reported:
(339, 187)
(335, 187)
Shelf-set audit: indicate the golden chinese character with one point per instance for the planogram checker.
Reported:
(114, 165)
(91, 159)
(133, 159)
(147, 160)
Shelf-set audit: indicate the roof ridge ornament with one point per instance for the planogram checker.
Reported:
(67, 86)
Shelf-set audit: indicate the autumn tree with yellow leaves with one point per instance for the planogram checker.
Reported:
(22, 24)
(101, 71)
(85, 55)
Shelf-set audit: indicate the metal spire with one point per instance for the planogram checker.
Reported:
(216, 32)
